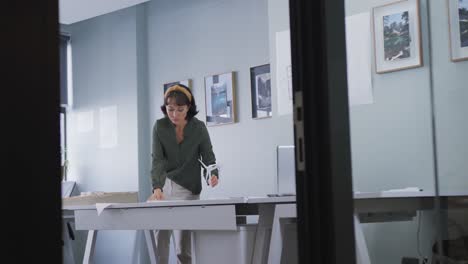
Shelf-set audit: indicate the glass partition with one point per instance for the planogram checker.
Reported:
(407, 85)
(449, 58)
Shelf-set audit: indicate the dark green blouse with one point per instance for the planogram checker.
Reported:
(179, 162)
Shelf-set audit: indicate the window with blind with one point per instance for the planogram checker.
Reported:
(65, 102)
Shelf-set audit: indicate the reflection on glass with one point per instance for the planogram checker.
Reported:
(400, 155)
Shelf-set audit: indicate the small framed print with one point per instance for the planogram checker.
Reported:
(219, 99)
(260, 86)
(187, 83)
(397, 36)
(458, 29)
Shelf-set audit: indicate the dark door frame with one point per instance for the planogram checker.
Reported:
(30, 132)
(321, 130)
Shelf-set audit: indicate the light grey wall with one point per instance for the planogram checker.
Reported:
(194, 39)
(451, 111)
(105, 74)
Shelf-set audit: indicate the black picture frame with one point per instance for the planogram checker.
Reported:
(260, 88)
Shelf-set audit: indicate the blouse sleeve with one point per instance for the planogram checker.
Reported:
(159, 162)
(206, 149)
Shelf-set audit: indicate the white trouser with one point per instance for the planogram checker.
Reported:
(182, 238)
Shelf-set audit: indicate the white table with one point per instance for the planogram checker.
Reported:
(222, 214)
(213, 214)
(368, 207)
(271, 212)
(68, 188)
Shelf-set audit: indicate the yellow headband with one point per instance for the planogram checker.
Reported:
(180, 89)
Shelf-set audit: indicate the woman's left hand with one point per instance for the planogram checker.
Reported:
(214, 180)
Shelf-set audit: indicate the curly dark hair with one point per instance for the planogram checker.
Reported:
(181, 99)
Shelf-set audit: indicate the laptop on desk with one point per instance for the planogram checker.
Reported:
(68, 188)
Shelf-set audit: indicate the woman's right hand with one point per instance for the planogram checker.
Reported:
(157, 195)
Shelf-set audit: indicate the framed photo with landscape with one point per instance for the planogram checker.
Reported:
(458, 28)
(219, 99)
(187, 83)
(397, 36)
(260, 86)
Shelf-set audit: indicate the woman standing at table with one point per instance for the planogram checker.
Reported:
(179, 140)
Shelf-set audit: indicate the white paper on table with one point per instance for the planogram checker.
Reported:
(101, 206)
(358, 55)
(284, 72)
(85, 121)
(108, 127)
(407, 189)
(159, 201)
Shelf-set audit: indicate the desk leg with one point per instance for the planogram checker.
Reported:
(68, 256)
(90, 245)
(362, 253)
(276, 240)
(151, 244)
(263, 232)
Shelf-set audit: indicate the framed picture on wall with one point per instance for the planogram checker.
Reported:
(187, 83)
(458, 29)
(219, 99)
(260, 89)
(397, 36)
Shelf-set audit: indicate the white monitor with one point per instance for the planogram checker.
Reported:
(286, 170)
